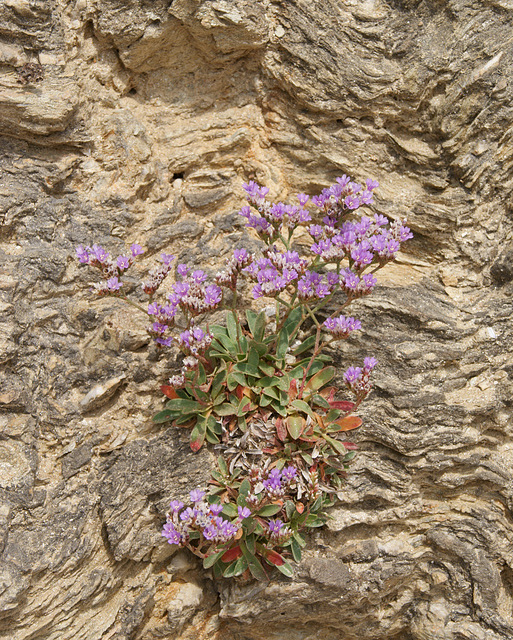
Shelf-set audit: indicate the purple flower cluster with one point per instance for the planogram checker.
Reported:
(272, 218)
(358, 379)
(112, 268)
(201, 517)
(229, 275)
(314, 286)
(194, 341)
(344, 195)
(275, 272)
(342, 326)
(192, 295)
(360, 242)
(278, 481)
(157, 274)
(277, 531)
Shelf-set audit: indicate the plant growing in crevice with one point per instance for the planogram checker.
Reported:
(259, 387)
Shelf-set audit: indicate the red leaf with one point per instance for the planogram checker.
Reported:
(350, 446)
(293, 390)
(239, 391)
(273, 557)
(281, 429)
(343, 405)
(348, 423)
(196, 445)
(232, 554)
(300, 507)
(169, 391)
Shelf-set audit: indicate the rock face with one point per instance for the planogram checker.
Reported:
(131, 120)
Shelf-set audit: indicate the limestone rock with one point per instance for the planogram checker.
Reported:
(140, 124)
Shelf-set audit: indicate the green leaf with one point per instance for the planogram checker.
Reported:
(230, 570)
(314, 521)
(321, 378)
(279, 408)
(228, 344)
(259, 347)
(163, 416)
(198, 433)
(251, 543)
(211, 560)
(230, 510)
(286, 569)
(245, 488)
(202, 376)
(295, 426)
(307, 458)
(290, 508)
(256, 323)
(218, 330)
(282, 344)
(234, 379)
(231, 325)
(272, 393)
(299, 539)
(303, 406)
(335, 444)
(225, 409)
(184, 406)
(294, 320)
(320, 401)
(211, 438)
(269, 510)
(223, 467)
(217, 382)
(254, 565)
(253, 359)
(296, 550)
(304, 346)
(267, 369)
(246, 367)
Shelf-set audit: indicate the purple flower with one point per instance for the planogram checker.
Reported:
(275, 526)
(182, 270)
(352, 375)
(82, 254)
(181, 288)
(289, 473)
(165, 342)
(243, 512)
(172, 535)
(241, 256)
(153, 309)
(123, 263)
(341, 327)
(254, 190)
(167, 258)
(136, 250)
(187, 515)
(315, 230)
(303, 198)
(366, 197)
(361, 254)
(198, 276)
(352, 202)
(113, 284)
(216, 508)
(197, 495)
(369, 364)
(176, 505)
(99, 253)
(213, 295)
(343, 180)
(210, 532)
(371, 184)
(158, 327)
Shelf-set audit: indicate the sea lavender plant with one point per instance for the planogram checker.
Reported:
(257, 387)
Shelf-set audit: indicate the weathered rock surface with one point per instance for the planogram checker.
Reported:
(145, 119)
